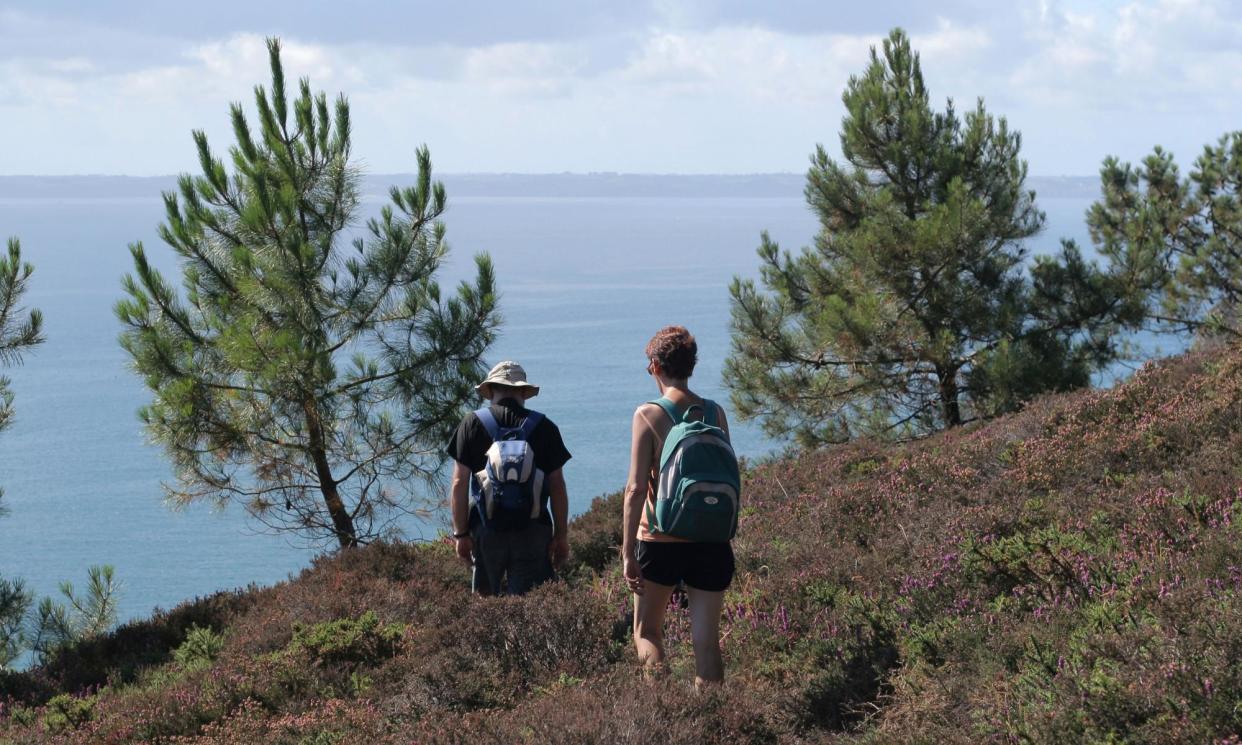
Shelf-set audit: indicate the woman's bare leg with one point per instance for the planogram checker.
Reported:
(705, 610)
(649, 611)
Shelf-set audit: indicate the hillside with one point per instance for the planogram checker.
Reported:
(1071, 573)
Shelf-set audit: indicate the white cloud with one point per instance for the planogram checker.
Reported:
(1079, 79)
(71, 65)
(229, 68)
(762, 65)
(752, 64)
(517, 69)
(1139, 55)
(952, 42)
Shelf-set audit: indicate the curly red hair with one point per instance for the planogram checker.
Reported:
(674, 349)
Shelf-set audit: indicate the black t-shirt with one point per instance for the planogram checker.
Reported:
(470, 443)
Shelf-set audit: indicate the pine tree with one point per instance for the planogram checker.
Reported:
(311, 380)
(56, 625)
(915, 309)
(15, 601)
(1179, 239)
(19, 331)
(81, 616)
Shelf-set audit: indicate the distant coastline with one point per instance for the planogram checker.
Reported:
(543, 185)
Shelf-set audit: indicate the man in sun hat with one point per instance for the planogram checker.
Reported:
(508, 556)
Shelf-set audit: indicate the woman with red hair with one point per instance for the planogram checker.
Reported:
(655, 562)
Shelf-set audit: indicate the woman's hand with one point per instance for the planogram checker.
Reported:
(633, 574)
(637, 487)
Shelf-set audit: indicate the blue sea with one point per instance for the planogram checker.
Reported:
(584, 283)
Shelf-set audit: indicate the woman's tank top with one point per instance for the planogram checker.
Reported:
(660, 425)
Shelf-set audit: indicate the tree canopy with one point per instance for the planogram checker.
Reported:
(916, 308)
(306, 372)
(1178, 239)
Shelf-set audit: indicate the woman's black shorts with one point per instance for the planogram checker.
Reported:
(703, 566)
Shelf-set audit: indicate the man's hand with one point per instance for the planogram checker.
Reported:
(465, 546)
(558, 550)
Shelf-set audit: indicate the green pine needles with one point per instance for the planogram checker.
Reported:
(54, 625)
(307, 374)
(15, 601)
(916, 308)
(19, 329)
(57, 626)
(1180, 240)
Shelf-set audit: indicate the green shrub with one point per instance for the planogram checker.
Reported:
(65, 712)
(348, 640)
(595, 538)
(23, 716)
(864, 467)
(201, 647)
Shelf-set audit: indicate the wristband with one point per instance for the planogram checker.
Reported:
(462, 535)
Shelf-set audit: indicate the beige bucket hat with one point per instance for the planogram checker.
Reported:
(507, 373)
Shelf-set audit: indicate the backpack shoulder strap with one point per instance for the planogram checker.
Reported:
(533, 418)
(708, 407)
(669, 408)
(685, 417)
(489, 422)
(711, 415)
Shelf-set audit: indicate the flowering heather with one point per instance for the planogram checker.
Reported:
(1069, 573)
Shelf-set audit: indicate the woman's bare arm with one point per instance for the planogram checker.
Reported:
(639, 481)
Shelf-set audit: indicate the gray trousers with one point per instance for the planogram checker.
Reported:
(511, 562)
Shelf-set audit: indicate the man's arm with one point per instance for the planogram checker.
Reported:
(559, 549)
(459, 497)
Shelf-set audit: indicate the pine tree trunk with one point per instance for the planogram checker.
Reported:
(949, 404)
(342, 523)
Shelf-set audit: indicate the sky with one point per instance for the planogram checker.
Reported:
(633, 86)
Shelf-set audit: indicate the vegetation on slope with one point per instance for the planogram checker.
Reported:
(1069, 573)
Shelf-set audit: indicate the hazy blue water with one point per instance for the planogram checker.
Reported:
(584, 282)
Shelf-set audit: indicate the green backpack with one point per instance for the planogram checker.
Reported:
(699, 486)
